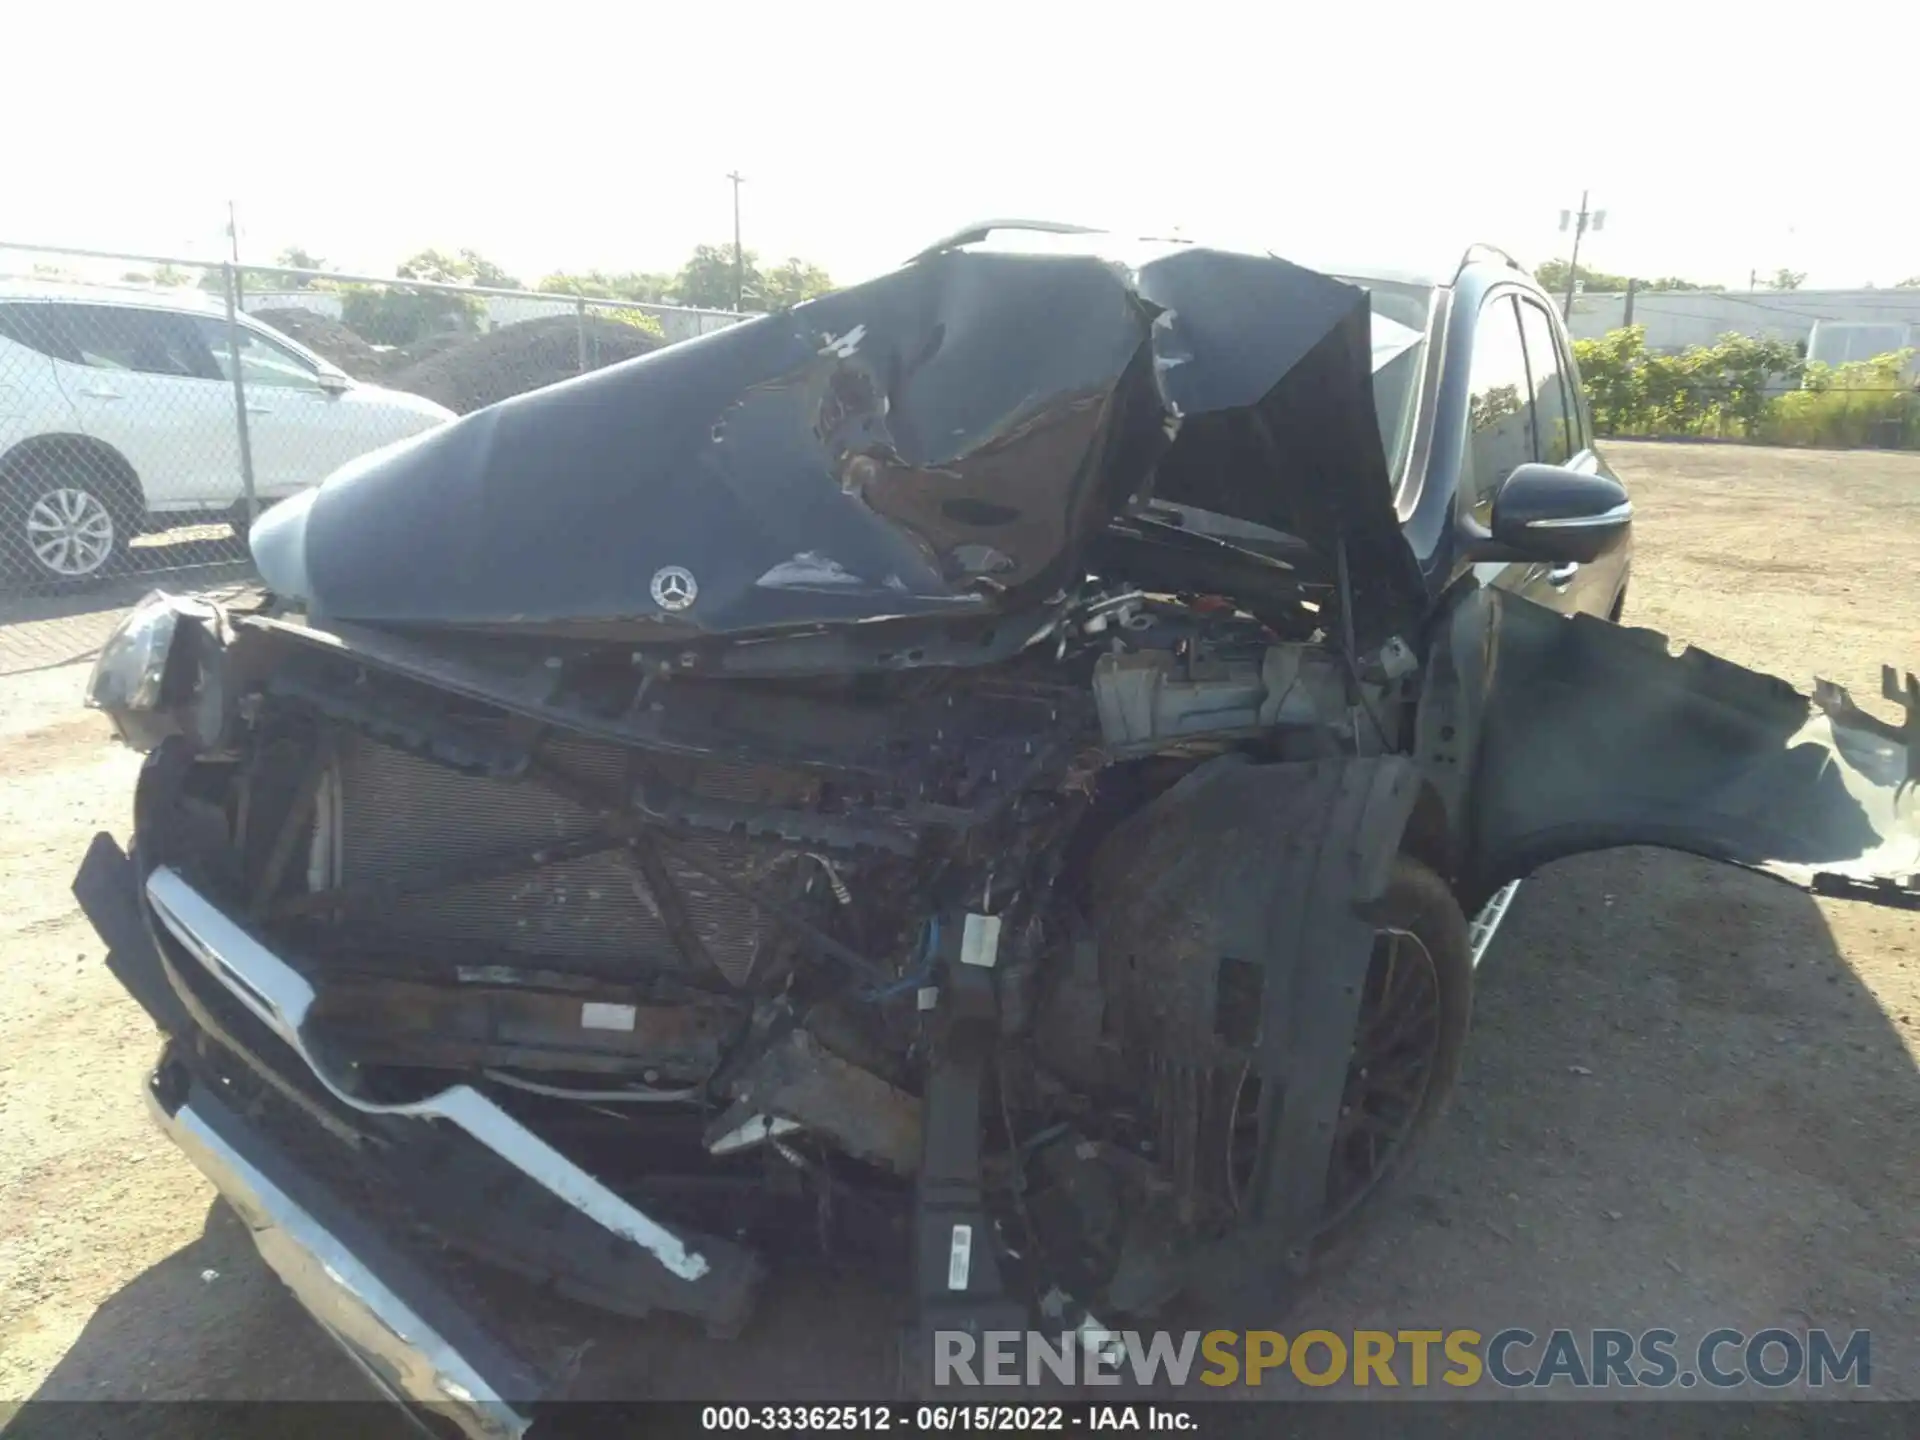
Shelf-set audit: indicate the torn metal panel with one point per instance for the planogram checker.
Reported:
(1596, 736)
(943, 440)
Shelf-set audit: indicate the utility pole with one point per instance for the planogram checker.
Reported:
(739, 255)
(1580, 221)
(233, 251)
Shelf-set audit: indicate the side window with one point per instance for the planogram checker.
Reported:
(1555, 420)
(261, 362)
(114, 337)
(1499, 408)
(36, 327)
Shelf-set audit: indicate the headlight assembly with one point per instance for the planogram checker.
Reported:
(155, 662)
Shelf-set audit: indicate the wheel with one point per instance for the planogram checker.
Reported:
(66, 517)
(1285, 1061)
(1415, 1005)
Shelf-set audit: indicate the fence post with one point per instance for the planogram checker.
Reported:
(580, 328)
(232, 286)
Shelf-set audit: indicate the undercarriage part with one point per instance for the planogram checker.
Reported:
(798, 1080)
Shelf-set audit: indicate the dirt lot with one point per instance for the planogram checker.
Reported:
(1690, 1100)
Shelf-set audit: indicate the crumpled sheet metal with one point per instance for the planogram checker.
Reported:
(943, 439)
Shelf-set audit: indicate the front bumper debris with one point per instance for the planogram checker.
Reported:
(656, 1267)
(418, 1344)
(281, 997)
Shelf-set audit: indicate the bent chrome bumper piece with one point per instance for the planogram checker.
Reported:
(411, 1338)
(281, 997)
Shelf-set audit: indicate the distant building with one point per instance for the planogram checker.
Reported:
(1675, 319)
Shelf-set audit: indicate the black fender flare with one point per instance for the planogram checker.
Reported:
(1275, 865)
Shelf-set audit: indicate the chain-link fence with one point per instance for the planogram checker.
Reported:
(148, 415)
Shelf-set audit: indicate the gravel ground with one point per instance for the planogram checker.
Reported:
(1690, 1097)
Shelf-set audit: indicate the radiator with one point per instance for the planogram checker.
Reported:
(593, 915)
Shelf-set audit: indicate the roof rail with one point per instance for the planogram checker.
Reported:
(1480, 250)
(984, 228)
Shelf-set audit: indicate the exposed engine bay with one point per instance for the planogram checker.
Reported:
(966, 774)
(740, 931)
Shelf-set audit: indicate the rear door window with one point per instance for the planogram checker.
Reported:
(1499, 406)
(1556, 421)
(148, 342)
(37, 327)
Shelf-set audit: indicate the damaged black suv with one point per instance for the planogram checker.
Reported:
(990, 769)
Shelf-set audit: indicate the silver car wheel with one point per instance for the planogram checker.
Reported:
(70, 532)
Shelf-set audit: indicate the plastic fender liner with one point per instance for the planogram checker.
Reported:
(1595, 736)
(1275, 865)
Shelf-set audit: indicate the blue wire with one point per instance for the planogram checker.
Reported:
(923, 971)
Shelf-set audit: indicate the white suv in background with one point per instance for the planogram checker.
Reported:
(117, 415)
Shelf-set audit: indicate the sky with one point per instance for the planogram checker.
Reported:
(1719, 138)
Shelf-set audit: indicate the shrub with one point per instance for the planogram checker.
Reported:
(1862, 403)
(1759, 389)
(396, 315)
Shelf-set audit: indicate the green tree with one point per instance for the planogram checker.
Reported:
(707, 280)
(397, 315)
(159, 275)
(436, 266)
(797, 280)
(1785, 279)
(598, 285)
(293, 257)
(1674, 282)
(482, 271)
(1912, 282)
(1553, 276)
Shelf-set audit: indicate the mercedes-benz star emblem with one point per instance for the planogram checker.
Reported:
(674, 588)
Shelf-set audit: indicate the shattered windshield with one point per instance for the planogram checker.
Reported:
(1401, 313)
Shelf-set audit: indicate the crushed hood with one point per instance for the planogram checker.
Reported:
(943, 439)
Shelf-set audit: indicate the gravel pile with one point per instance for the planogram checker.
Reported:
(327, 338)
(517, 358)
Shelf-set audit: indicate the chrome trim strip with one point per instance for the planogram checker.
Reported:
(281, 997)
(1606, 519)
(1481, 929)
(400, 1351)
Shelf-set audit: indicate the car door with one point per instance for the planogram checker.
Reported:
(1500, 437)
(298, 431)
(141, 381)
(1560, 438)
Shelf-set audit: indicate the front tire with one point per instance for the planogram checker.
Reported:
(65, 520)
(1416, 1006)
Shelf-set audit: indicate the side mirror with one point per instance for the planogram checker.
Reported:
(333, 383)
(1546, 512)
